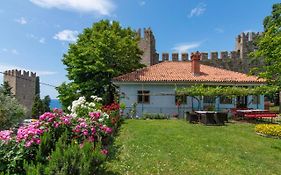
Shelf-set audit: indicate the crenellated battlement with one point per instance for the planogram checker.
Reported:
(20, 74)
(236, 60)
(204, 56)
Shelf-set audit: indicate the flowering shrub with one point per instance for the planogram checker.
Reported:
(5, 135)
(89, 122)
(269, 129)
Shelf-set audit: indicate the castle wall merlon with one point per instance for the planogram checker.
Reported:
(224, 55)
(33, 74)
(214, 55)
(165, 56)
(204, 56)
(184, 56)
(175, 57)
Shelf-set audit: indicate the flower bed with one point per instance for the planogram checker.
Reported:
(273, 130)
(35, 147)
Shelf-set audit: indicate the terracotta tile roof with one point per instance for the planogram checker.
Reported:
(181, 72)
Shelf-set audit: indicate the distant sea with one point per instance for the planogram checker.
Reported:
(55, 103)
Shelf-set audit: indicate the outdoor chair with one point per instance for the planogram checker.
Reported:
(223, 116)
(208, 119)
(220, 118)
(193, 118)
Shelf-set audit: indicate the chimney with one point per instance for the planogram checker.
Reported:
(195, 63)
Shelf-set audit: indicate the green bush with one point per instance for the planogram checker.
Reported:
(12, 156)
(69, 159)
(11, 112)
(155, 116)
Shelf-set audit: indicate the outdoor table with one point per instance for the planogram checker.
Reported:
(210, 117)
(256, 114)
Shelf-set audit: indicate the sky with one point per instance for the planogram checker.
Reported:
(34, 34)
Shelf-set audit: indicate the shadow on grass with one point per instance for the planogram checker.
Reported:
(114, 151)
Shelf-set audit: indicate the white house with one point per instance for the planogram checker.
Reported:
(152, 88)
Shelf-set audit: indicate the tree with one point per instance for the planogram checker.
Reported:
(46, 103)
(38, 107)
(37, 85)
(11, 112)
(269, 48)
(104, 51)
(6, 89)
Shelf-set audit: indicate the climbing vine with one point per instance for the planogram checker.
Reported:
(228, 91)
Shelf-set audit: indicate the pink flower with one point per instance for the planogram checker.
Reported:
(5, 135)
(95, 115)
(81, 120)
(91, 139)
(93, 130)
(85, 132)
(47, 116)
(104, 151)
(108, 130)
(28, 144)
(83, 125)
(56, 124)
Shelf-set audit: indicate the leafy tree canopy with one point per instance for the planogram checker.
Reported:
(103, 51)
(40, 106)
(11, 112)
(269, 47)
(6, 89)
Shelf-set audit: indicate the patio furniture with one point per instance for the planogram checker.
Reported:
(256, 114)
(222, 116)
(210, 117)
(193, 118)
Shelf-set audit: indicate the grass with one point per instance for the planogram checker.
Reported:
(177, 147)
(274, 108)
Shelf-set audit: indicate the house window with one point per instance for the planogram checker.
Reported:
(225, 100)
(143, 97)
(256, 99)
(180, 99)
(209, 99)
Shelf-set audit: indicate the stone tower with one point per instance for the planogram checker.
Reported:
(245, 44)
(23, 87)
(147, 44)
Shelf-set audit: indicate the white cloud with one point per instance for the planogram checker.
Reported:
(67, 35)
(12, 51)
(45, 73)
(41, 40)
(102, 7)
(198, 10)
(4, 67)
(219, 30)
(21, 20)
(142, 3)
(184, 47)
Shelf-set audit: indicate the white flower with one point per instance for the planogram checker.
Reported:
(96, 98)
(92, 104)
(100, 119)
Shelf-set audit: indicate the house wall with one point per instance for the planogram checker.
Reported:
(162, 100)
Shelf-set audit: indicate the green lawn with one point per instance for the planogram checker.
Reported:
(177, 147)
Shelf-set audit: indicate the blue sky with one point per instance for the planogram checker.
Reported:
(34, 34)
